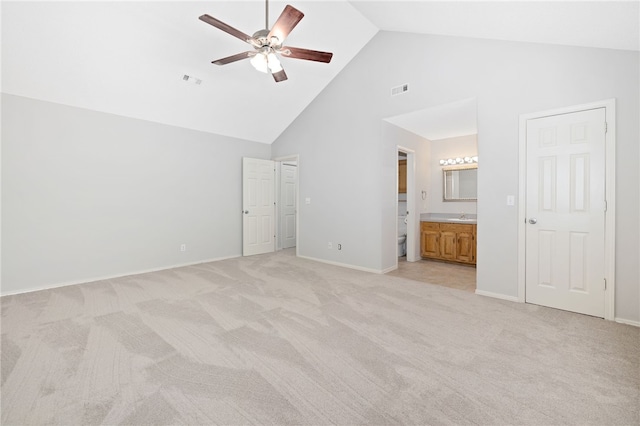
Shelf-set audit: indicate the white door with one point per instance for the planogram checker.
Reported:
(258, 209)
(565, 211)
(288, 182)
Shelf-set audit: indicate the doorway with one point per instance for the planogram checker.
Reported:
(408, 217)
(566, 253)
(287, 175)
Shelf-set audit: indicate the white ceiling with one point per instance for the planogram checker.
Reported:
(128, 58)
(609, 24)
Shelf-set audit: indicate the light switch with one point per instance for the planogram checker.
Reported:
(307, 200)
(511, 200)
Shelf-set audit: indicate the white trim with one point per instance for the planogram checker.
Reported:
(387, 270)
(497, 295)
(628, 322)
(610, 190)
(127, 274)
(346, 265)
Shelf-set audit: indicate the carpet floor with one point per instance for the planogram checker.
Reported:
(274, 339)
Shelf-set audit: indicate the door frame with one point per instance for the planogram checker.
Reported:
(610, 191)
(413, 227)
(279, 161)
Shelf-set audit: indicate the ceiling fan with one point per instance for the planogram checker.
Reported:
(267, 43)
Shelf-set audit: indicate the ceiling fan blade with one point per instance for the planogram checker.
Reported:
(307, 54)
(226, 28)
(234, 58)
(279, 76)
(287, 21)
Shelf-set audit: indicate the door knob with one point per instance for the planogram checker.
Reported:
(533, 221)
(245, 211)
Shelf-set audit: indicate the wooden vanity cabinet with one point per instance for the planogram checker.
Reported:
(448, 241)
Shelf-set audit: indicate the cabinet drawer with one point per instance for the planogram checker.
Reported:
(457, 227)
(429, 226)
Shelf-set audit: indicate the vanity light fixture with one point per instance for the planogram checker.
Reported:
(459, 160)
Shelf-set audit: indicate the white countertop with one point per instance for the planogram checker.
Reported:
(449, 218)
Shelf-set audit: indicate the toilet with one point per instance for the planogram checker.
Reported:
(402, 236)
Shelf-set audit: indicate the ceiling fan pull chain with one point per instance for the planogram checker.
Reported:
(266, 14)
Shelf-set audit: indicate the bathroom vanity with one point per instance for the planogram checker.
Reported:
(450, 239)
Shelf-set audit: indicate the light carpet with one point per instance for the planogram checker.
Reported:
(274, 339)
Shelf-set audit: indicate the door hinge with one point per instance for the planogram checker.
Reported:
(606, 127)
(606, 206)
(605, 283)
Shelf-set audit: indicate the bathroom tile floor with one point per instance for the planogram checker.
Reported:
(451, 275)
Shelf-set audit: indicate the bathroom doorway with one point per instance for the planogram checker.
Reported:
(407, 224)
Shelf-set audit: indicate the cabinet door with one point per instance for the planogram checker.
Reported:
(429, 243)
(464, 247)
(447, 244)
(475, 244)
(429, 239)
(402, 176)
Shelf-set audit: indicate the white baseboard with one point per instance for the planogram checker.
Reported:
(628, 322)
(110, 277)
(344, 265)
(497, 296)
(391, 268)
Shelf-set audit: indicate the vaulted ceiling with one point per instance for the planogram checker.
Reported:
(130, 58)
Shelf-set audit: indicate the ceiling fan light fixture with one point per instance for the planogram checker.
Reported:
(260, 62)
(268, 43)
(273, 62)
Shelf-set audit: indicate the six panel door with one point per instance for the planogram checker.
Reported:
(258, 210)
(565, 211)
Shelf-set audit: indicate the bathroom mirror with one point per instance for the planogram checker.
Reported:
(460, 183)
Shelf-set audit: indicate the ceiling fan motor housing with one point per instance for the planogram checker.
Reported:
(262, 39)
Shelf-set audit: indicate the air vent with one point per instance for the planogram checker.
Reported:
(191, 79)
(399, 89)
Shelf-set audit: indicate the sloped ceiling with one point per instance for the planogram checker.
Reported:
(129, 58)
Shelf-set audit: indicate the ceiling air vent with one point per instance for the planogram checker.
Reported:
(399, 89)
(192, 79)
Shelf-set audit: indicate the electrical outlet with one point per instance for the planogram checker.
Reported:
(511, 200)
(183, 247)
(330, 246)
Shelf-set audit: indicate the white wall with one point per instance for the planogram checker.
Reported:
(87, 195)
(348, 162)
(462, 146)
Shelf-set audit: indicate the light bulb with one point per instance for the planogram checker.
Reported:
(475, 158)
(259, 62)
(459, 160)
(443, 162)
(451, 161)
(273, 62)
(468, 160)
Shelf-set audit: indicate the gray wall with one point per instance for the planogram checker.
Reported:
(348, 166)
(87, 195)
